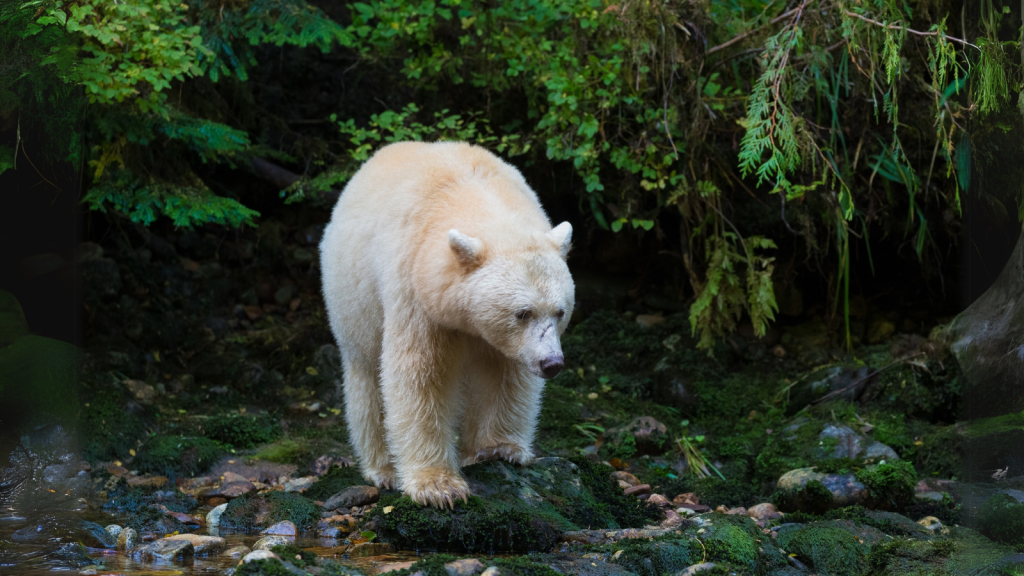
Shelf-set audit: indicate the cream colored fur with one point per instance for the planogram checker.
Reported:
(432, 255)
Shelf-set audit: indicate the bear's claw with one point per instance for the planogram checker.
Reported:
(439, 490)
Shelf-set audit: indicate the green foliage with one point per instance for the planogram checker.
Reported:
(1001, 518)
(295, 555)
(268, 567)
(337, 479)
(174, 456)
(612, 508)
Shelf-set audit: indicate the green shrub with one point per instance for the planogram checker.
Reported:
(242, 430)
(1001, 518)
(891, 484)
(178, 455)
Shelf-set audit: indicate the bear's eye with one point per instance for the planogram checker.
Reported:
(560, 314)
(523, 314)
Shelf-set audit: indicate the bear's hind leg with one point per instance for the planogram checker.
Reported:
(503, 401)
(364, 411)
(421, 399)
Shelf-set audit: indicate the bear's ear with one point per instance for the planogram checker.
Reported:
(561, 235)
(467, 249)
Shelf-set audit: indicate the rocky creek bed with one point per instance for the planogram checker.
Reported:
(207, 438)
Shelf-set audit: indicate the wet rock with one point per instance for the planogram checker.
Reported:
(491, 571)
(147, 481)
(929, 496)
(464, 567)
(114, 530)
(353, 496)
(696, 568)
(988, 342)
(659, 500)
(393, 566)
(649, 435)
(268, 542)
(202, 545)
(128, 539)
(95, 536)
(235, 489)
(848, 444)
(259, 555)
(879, 451)
(213, 516)
(672, 519)
(165, 549)
(284, 528)
(299, 484)
(236, 551)
(143, 393)
(335, 526)
(809, 491)
(366, 549)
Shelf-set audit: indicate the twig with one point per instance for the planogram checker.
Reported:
(911, 30)
(23, 151)
(866, 378)
(749, 33)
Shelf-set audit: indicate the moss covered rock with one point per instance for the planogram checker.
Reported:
(1001, 518)
(830, 549)
(254, 511)
(173, 456)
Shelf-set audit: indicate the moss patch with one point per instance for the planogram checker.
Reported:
(174, 456)
(260, 510)
(268, 567)
(903, 557)
(891, 484)
(830, 550)
(336, 480)
(295, 555)
(243, 431)
(607, 506)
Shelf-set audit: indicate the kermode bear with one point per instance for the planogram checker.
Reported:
(447, 291)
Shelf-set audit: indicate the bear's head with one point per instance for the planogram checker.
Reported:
(519, 299)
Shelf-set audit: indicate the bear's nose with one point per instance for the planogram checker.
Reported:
(551, 366)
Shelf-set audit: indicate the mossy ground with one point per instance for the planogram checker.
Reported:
(253, 511)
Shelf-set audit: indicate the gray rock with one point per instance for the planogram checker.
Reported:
(128, 539)
(236, 551)
(164, 549)
(202, 545)
(849, 443)
(284, 528)
(353, 496)
(844, 488)
(213, 517)
(114, 530)
(879, 451)
(268, 542)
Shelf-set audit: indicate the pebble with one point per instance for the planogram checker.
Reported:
(764, 511)
(659, 500)
(492, 571)
(213, 517)
(464, 567)
(687, 498)
(259, 555)
(353, 496)
(299, 484)
(268, 542)
(284, 528)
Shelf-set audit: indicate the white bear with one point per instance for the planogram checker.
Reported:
(447, 290)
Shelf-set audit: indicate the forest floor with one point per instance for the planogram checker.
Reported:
(211, 440)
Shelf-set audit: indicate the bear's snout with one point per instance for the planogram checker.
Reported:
(551, 366)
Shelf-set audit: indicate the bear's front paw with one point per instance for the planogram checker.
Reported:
(505, 451)
(436, 487)
(383, 478)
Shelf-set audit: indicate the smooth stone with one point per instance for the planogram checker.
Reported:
(299, 484)
(353, 496)
(849, 442)
(128, 539)
(259, 555)
(202, 545)
(623, 476)
(765, 511)
(283, 528)
(934, 496)
(165, 549)
(392, 566)
(268, 542)
(114, 530)
(880, 451)
(236, 551)
(492, 571)
(213, 517)
(96, 536)
(464, 567)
